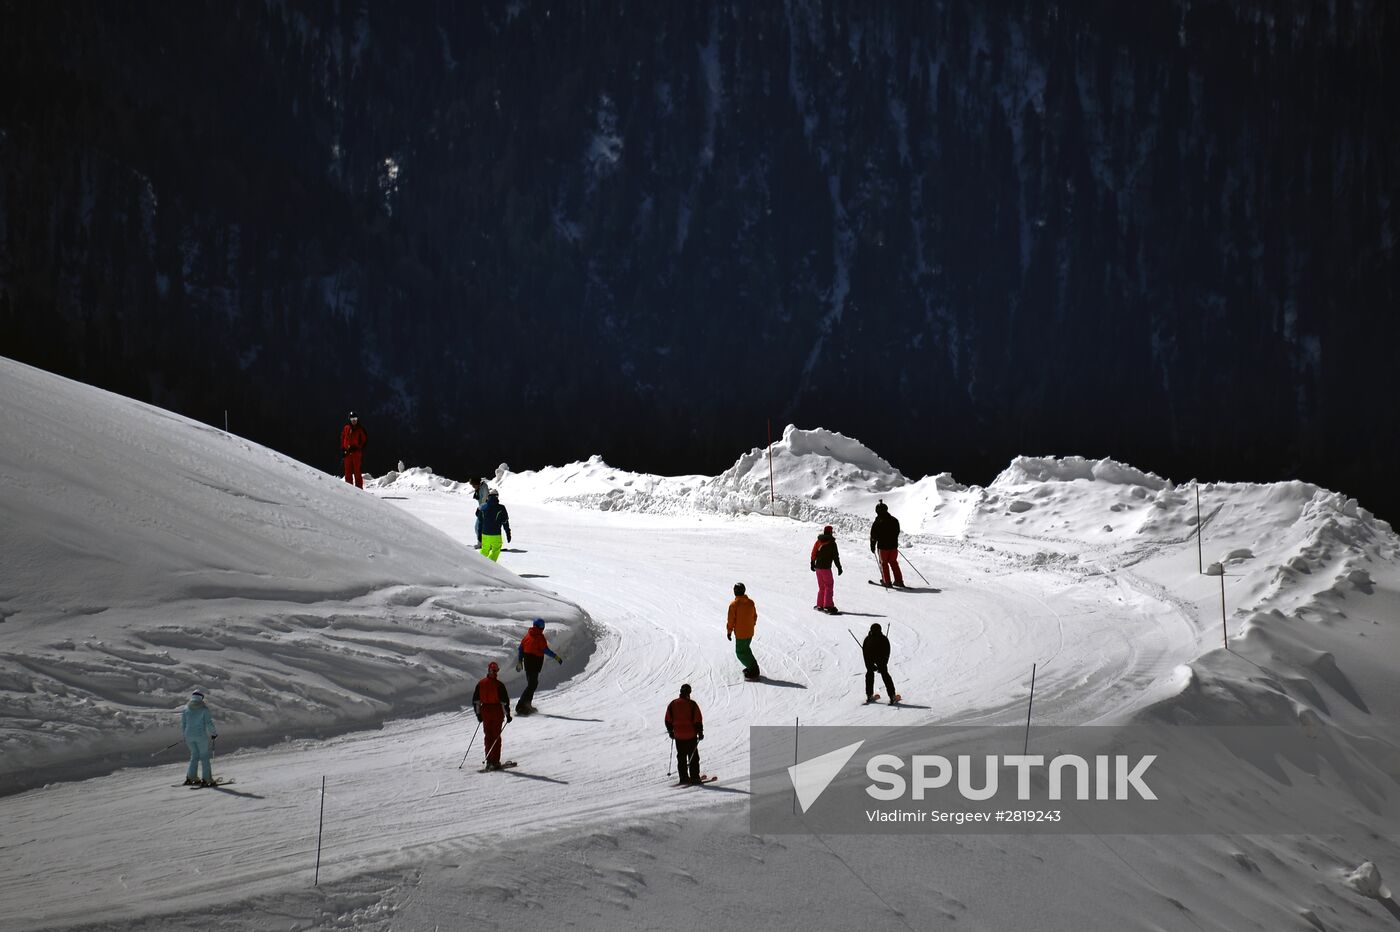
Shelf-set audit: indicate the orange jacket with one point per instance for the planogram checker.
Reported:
(534, 644)
(743, 615)
(683, 719)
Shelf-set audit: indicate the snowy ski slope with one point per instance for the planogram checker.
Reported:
(1086, 569)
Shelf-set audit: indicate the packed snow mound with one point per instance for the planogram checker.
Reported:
(812, 465)
(592, 481)
(415, 479)
(1038, 469)
(142, 553)
(1300, 599)
(821, 476)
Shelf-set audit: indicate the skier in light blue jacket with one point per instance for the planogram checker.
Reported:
(197, 725)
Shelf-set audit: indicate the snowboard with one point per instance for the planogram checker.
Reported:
(704, 778)
(505, 765)
(197, 786)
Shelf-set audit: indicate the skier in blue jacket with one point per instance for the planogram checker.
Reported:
(197, 725)
(494, 520)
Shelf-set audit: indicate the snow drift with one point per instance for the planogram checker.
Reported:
(142, 554)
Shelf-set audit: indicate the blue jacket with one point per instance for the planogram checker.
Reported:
(196, 723)
(494, 516)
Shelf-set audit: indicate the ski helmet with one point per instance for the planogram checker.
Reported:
(197, 694)
(353, 416)
(739, 588)
(685, 689)
(493, 667)
(539, 623)
(881, 508)
(827, 529)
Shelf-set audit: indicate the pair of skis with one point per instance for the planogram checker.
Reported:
(704, 778)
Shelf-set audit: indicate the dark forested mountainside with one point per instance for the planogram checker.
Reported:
(530, 231)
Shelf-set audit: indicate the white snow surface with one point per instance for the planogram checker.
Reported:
(143, 554)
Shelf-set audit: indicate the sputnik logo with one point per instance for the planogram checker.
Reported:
(811, 777)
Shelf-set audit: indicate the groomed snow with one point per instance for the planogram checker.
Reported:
(143, 554)
(1087, 569)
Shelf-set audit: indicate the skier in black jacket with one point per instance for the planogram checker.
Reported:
(876, 649)
(884, 535)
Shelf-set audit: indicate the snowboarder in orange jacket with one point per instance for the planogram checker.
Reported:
(743, 616)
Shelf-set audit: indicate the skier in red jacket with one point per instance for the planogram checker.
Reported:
(686, 727)
(491, 704)
(353, 438)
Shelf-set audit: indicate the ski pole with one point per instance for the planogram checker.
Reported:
(901, 556)
(469, 746)
(854, 638)
(670, 756)
(879, 568)
(166, 748)
(320, 824)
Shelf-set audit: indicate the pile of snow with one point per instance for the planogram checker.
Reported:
(1040, 469)
(415, 479)
(594, 484)
(143, 554)
(812, 464)
(817, 475)
(1366, 880)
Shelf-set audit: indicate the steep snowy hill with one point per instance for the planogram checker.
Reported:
(142, 554)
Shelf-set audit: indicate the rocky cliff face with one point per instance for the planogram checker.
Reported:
(526, 231)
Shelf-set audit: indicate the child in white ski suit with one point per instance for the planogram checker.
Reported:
(197, 725)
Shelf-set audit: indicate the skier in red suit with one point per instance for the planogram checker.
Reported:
(353, 438)
(492, 706)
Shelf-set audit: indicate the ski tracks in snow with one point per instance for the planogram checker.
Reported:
(657, 589)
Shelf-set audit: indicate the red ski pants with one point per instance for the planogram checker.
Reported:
(352, 468)
(491, 722)
(889, 562)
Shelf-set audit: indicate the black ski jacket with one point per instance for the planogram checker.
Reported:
(494, 517)
(826, 553)
(876, 648)
(884, 532)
